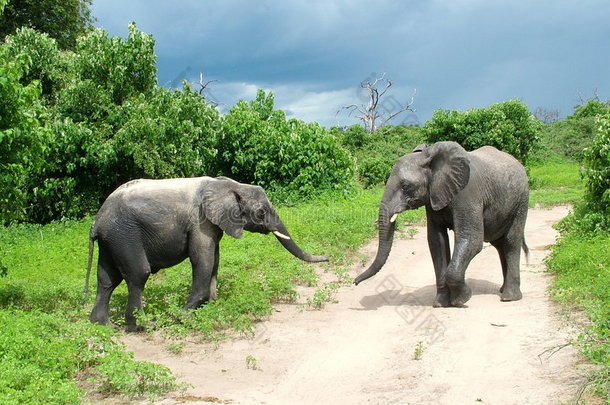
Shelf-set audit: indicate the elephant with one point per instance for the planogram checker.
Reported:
(481, 195)
(146, 225)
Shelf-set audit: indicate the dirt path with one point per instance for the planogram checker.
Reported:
(362, 349)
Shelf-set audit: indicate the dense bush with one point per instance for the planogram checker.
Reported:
(375, 153)
(23, 138)
(509, 126)
(571, 136)
(78, 124)
(259, 145)
(596, 211)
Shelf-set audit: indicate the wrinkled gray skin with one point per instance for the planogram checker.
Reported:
(148, 225)
(482, 195)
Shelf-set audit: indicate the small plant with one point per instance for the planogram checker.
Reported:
(176, 348)
(323, 295)
(251, 363)
(419, 350)
(343, 276)
(411, 232)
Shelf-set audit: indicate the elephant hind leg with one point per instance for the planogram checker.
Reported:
(136, 271)
(509, 252)
(108, 278)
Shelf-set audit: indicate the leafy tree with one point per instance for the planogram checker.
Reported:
(22, 135)
(49, 66)
(120, 68)
(112, 123)
(64, 20)
(509, 126)
(167, 134)
(259, 145)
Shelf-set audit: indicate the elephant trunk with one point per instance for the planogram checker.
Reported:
(290, 245)
(386, 236)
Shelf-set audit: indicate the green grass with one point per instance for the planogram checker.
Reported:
(555, 182)
(581, 262)
(46, 342)
(582, 266)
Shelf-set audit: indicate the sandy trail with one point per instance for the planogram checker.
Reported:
(362, 349)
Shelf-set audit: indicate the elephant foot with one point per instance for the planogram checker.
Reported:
(135, 329)
(510, 294)
(102, 320)
(442, 299)
(460, 294)
(191, 306)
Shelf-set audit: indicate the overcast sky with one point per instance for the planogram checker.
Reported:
(314, 54)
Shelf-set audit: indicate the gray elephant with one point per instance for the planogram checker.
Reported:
(482, 195)
(148, 225)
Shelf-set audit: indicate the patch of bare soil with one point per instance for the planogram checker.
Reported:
(383, 343)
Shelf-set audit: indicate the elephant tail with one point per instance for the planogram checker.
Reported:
(92, 238)
(526, 250)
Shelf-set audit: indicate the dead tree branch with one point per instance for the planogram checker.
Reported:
(203, 86)
(370, 113)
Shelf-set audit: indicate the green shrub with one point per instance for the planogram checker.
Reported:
(49, 66)
(124, 67)
(570, 137)
(375, 153)
(41, 356)
(596, 211)
(22, 134)
(259, 145)
(509, 126)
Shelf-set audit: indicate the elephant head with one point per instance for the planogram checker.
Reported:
(234, 206)
(430, 176)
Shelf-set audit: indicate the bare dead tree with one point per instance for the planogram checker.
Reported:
(546, 116)
(584, 100)
(371, 113)
(203, 86)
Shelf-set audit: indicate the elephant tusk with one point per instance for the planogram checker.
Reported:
(281, 235)
(393, 219)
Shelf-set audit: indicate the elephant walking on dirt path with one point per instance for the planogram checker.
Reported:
(482, 195)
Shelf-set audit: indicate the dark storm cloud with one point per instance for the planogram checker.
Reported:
(314, 54)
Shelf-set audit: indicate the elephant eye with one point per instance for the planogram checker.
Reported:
(260, 214)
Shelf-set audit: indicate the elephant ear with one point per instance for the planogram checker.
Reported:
(450, 172)
(221, 205)
(419, 148)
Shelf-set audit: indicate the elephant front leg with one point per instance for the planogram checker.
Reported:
(466, 248)
(438, 242)
(205, 268)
